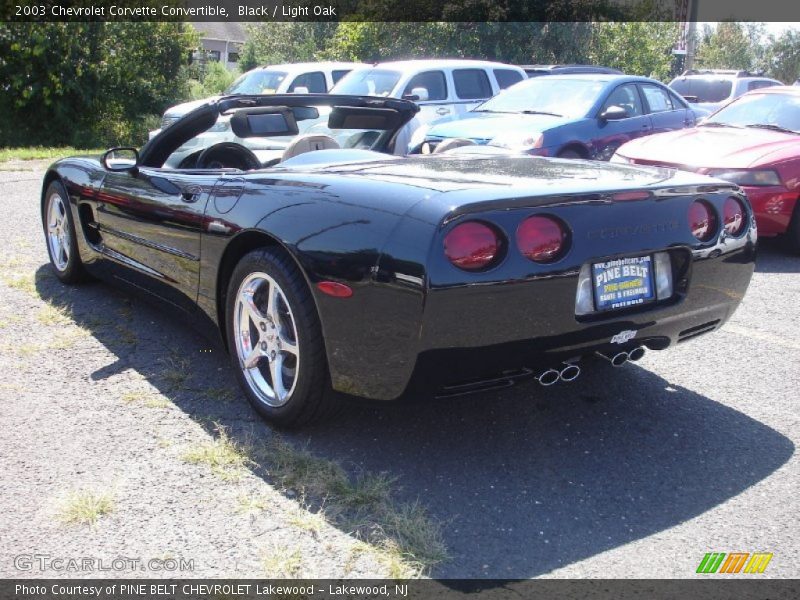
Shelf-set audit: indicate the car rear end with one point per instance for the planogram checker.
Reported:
(527, 287)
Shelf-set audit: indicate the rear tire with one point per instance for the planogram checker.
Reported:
(59, 235)
(791, 238)
(275, 341)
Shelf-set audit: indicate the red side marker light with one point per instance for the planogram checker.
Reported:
(335, 289)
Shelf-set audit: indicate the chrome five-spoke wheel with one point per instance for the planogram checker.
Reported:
(58, 234)
(266, 339)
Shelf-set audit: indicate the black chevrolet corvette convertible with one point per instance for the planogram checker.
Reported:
(329, 267)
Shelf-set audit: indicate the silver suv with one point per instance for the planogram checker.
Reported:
(708, 90)
(442, 88)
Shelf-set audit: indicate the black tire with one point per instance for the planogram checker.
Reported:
(312, 398)
(569, 153)
(70, 271)
(791, 239)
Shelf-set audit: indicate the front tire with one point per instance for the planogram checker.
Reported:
(791, 238)
(569, 153)
(275, 340)
(59, 233)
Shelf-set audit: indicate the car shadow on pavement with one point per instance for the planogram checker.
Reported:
(525, 481)
(773, 257)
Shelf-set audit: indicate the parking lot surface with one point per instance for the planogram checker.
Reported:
(630, 472)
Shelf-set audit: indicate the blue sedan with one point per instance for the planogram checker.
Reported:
(570, 116)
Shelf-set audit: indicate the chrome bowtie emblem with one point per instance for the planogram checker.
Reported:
(623, 336)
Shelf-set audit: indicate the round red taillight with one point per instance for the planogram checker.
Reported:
(472, 246)
(702, 220)
(541, 239)
(733, 216)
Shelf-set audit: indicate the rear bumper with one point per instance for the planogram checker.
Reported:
(471, 333)
(518, 339)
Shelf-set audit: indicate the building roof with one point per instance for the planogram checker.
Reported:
(222, 31)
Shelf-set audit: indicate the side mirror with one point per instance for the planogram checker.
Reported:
(614, 113)
(418, 94)
(301, 89)
(121, 159)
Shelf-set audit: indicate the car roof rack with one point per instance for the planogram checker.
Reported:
(734, 72)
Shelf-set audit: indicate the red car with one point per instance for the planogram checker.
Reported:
(754, 141)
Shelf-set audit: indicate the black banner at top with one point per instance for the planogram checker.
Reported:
(399, 10)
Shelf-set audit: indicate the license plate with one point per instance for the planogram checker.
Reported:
(623, 283)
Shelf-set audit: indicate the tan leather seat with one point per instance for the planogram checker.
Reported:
(309, 143)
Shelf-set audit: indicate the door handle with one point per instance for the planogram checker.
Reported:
(191, 193)
(442, 111)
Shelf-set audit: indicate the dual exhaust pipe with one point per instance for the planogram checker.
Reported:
(620, 358)
(568, 372)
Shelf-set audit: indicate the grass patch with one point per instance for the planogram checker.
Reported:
(41, 152)
(405, 540)
(222, 455)
(248, 505)
(147, 399)
(175, 370)
(126, 335)
(157, 402)
(304, 518)
(85, 507)
(221, 394)
(25, 282)
(50, 314)
(280, 562)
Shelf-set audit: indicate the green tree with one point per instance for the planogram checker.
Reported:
(279, 42)
(783, 56)
(729, 46)
(638, 48)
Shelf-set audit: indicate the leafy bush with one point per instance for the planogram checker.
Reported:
(215, 81)
(88, 84)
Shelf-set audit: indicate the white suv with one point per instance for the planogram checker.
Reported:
(442, 88)
(710, 89)
(315, 78)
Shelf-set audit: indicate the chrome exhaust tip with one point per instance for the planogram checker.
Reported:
(636, 354)
(570, 373)
(617, 360)
(549, 377)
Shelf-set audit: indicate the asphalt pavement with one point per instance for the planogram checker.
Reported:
(630, 472)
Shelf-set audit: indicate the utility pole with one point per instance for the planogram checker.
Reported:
(691, 35)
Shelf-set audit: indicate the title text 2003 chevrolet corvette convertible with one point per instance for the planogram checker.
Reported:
(328, 267)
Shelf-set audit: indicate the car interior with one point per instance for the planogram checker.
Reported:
(362, 124)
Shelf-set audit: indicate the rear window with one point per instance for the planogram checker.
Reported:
(338, 74)
(657, 99)
(314, 82)
(507, 77)
(703, 90)
(472, 84)
(758, 84)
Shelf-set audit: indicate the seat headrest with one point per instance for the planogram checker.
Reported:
(308, 143)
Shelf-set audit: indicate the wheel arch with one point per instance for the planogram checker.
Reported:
(242, 243)
(582, 150)
(49, 177)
